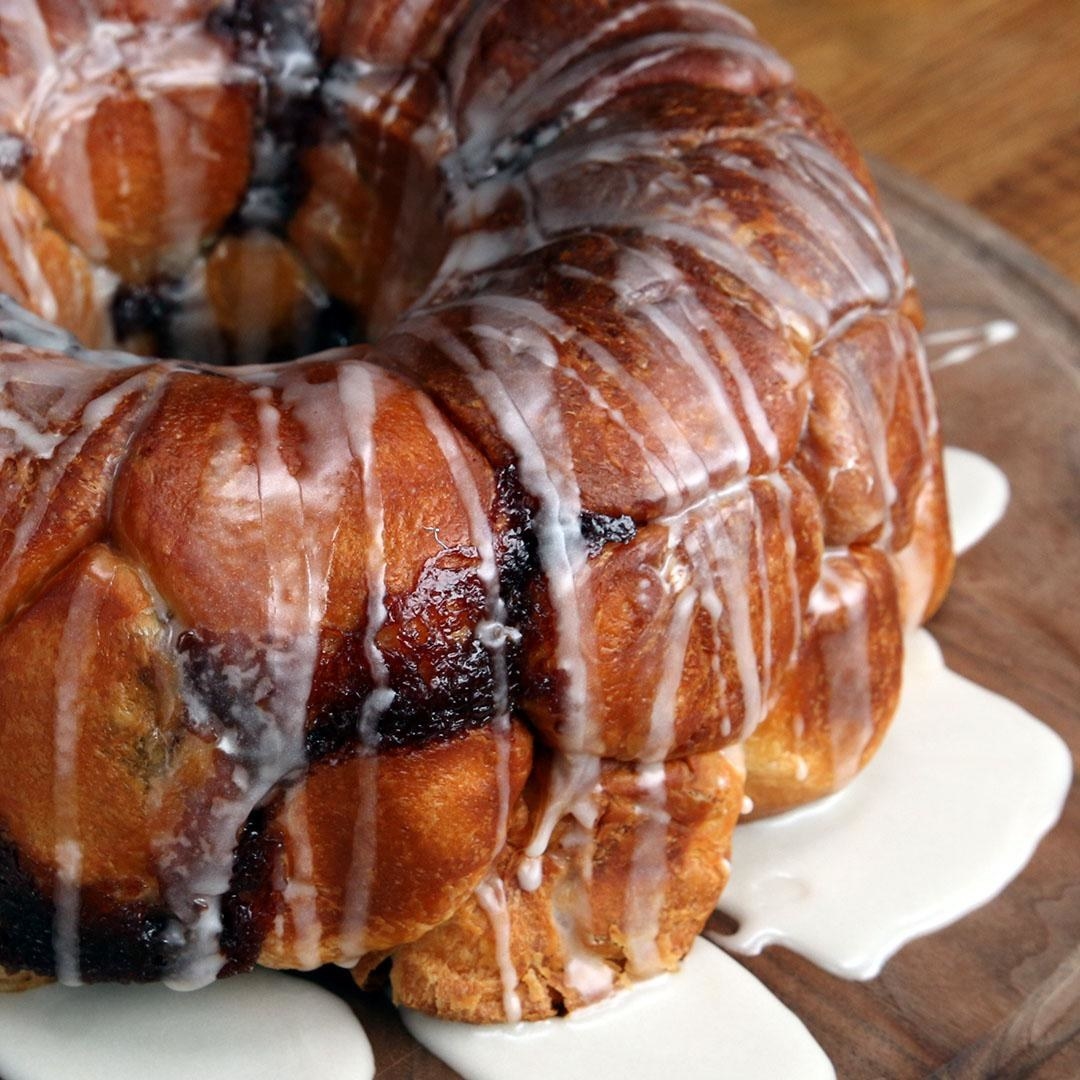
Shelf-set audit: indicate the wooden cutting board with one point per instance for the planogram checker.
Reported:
(997, 994)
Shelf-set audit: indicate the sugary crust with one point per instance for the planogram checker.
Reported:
(16, 982)
(831, 712)
(643, 455)
(425, 824)
(758, 548)
(42, 271)
(598, 919)
(107, 661)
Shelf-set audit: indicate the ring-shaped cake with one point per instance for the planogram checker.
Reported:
(610, 490)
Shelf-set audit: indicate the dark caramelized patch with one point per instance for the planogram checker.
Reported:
(139, 310)
(516, 551)
(223, 679)
(26, 917)
(440, 672)
(279, 44)
(336, 325)
(515, 153)
(118, 942)
(256, 24)
(333, 326)
(14, 154)
(124, 943)
(248, 910)
(599, 529)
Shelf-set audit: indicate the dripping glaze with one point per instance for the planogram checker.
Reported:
(730, 256)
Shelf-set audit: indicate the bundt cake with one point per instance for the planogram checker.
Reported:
(606, 496)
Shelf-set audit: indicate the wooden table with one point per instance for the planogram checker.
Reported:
(979, 97)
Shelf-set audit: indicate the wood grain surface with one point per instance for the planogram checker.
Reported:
(979, 97)
(998, 993)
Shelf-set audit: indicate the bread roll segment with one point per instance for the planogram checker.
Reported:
(442, 645)
(619, 894)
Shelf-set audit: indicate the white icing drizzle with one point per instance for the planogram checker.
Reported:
(79, 629)
(845, 663)
(300, 892)
(515, 386)
(196, 884)
(572, 789)
(77, 399)
(361, 866)
(787, 530)
(403, 21)
(760, 578)
(879, 285)
(156, 61)
(661, 718)
(870, 416)
(663, 316)
(294, 511)
(359, 400)
(493, 632)
(712, 1018)
(584, 74)
(646, 886)
(573, 785)
(29, 276)
(680, 473)
(584, 972)
(923, 865)
(26, 437)
(491, 896)
(730, 560)
(958, 346)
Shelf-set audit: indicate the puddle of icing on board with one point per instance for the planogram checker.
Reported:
(978, 494)
(949, 345)
(927, 833)
(930, 826)
(711, 1018)
(263, 1026)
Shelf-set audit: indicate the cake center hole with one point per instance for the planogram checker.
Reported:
(251, 302)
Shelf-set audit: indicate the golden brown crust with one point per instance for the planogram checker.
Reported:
(128, 204)
(644, 628)
(596, 921)
(837, 701)
(53, 505)
(42, 271)
(93, 642)
(264, 300)
(16, 982)
(332, 227)
(643, 452)
(924, 568)
(397, 842)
